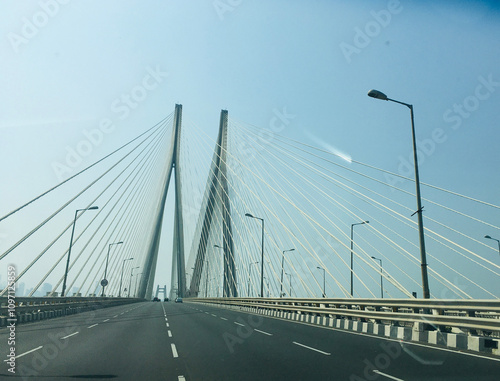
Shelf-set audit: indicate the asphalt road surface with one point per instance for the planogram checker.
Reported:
(190, 341)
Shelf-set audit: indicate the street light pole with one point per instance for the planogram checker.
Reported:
(250, 274)
(206, 280)
(324, 276)
(121, 278)
(106, 269)
(282, 267)
(381, 278)
(70, 245)
(136, 280)
(352, 250)
(290, 279)
(130, 281)
(262, 257)
(423, 257)
(494, 239)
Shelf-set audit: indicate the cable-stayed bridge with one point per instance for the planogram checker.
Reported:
(263, 223)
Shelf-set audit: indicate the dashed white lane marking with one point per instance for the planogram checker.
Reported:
(223, 318)
(174, 351)
(181, 378)
(265, 333)
(166, 318)
(104, 321)
(93, 325)
(387, 375)
(169, 333)
(115, 316)
(25, 353)
(312, 349)
(239, 323)
(73, 334)
(168, 325)
(213, 315)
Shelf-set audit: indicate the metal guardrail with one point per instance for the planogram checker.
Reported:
(474, 316)
(24, 309)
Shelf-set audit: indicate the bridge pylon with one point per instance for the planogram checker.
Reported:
(217, 194)
(178, 264)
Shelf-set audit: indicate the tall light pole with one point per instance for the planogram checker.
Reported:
(249, 274)
(262, 258)
(290, 279)
(352, 249)
(71, 244)
(494, 239)
(136, 279)
(104, 282)
(206, 280)
(324, 276)
(381, 278)
(423, 258)
(282, 267)
(130, 281)
(121, 278)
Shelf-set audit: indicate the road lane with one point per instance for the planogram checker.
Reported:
(190, 341)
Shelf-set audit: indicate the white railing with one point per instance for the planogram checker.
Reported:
(25, 309)
(473, 316)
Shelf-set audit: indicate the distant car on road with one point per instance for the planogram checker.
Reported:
(156, 299)
(166, 300)
(178, 300)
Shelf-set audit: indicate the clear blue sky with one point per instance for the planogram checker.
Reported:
(66, 66)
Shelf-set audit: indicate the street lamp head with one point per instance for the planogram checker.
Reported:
(487, 236)
(366, 222)
(374, 258)
(377, 95)
(218, 246)
(118, 243)
(249, 215)
(93, 208)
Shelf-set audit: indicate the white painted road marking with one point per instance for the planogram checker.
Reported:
(169, 333)
(92, 325)
(312, 349)
(214, 315)
(223, 318)
(181, 378)
(104, 321)
(167, 324)
(73, 334)
(387, 375)
(115, 316)
(265, 333)
(25, 353)
(239, 323)
(174, 350)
